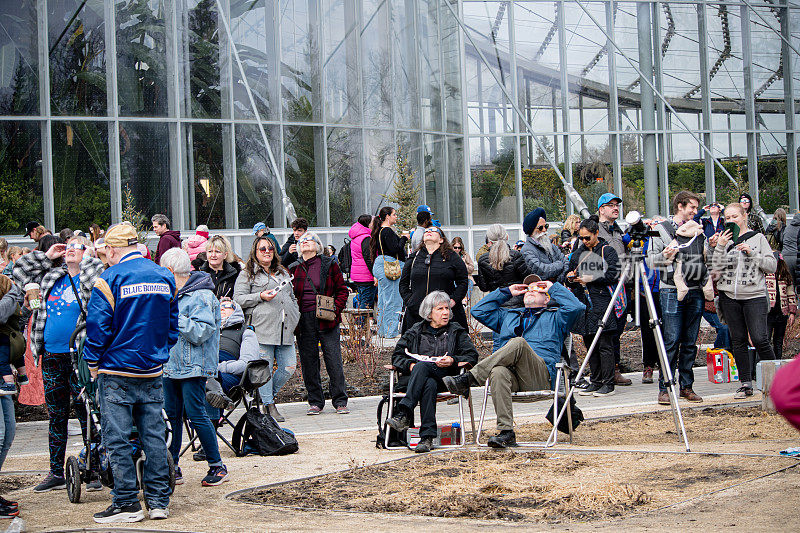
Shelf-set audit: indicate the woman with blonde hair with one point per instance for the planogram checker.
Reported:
(221, 265)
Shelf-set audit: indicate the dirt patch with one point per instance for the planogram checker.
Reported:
(706, 425)
(12, 482)
(492, 485)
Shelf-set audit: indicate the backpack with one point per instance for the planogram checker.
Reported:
(695, 271)
(258, 433)
(395, 438)
(345, 258)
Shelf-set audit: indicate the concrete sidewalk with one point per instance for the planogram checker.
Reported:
(31, 438)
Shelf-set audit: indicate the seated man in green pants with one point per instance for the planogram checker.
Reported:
(531, 335)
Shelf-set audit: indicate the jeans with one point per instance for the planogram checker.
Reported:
(514, 367)
(367, 292)
(424, 384)
(187, 397)
(5, 356)
(601, 361)
(286, 360)
(649, 346)
(125, 402)
(747, 317)
(8, 428)
(681, 322)
(389, 303)
(776, 330)
(60, 390)
(723, 339)
(309, 341)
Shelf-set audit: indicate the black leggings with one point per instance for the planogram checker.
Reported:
(747, 317)
(776, 330)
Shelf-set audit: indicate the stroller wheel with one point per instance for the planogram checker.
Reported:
(72, 473)
(171, 468)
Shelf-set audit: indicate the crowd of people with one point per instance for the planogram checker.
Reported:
(174, 328)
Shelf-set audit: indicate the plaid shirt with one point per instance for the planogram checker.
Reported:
(36, 267)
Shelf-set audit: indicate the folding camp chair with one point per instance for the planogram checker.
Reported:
(245, 393)
(440, 397)
(558, 395)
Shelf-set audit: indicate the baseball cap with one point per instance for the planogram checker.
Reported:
(30, 226)
(258, 227)
(607, 197)
(531, 278)
(424, 208)
(121, 235)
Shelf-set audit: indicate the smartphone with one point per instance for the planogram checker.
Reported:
(734, 229)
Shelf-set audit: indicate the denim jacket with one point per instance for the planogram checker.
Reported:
(196, 353)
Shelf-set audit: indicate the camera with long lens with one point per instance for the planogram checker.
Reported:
(637, 229)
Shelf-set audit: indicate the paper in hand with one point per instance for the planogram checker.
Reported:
(425, 358)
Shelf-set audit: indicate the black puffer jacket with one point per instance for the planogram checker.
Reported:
(513, 271)
(459, 345)
(600, 262)
(440, 274)
(224, 280)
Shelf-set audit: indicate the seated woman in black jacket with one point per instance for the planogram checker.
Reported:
(435, 337)
(593, 273)
(435, 266)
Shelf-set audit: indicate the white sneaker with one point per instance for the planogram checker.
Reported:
(159, 514)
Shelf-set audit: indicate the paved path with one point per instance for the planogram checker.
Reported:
(31, 438)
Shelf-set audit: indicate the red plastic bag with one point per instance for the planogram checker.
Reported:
(33, 392)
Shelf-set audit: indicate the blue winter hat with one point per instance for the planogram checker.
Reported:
(532, 219)
(258, 227)
(607, 197)
(424, 208)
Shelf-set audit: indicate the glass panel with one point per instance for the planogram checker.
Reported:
(725, 51)
(204, 65)
(340, 61)
(381, 157)
(455, 181)
(21, 196)
(78, 58)
(206, 174)
(376, 69)
(493, 181)
(145, 166)
(430, 69)
(253, 29)
(435, 176)
(679, 51)
(141, 57)
(19, 59)
(409, 145)
(345, 176)
(451, 66)
(304, 168)
(81, 193)
(766, 48)
(255, 179)
(406, 95)
(300, 76)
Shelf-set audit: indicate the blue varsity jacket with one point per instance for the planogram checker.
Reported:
(132, 319)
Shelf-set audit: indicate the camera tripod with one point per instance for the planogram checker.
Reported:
(636, 264)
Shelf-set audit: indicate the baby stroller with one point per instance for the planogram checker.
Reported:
(92, 461)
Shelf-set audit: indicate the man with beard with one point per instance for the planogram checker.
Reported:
(541, 257)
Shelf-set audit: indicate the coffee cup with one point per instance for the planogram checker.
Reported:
(32, 295)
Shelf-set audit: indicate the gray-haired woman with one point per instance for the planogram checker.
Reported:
(438, 337)
(315, 274)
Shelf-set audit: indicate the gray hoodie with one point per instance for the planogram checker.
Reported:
(742, 276)
(790, 245)
(248, 351)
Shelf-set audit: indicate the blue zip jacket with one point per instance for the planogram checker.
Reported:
(547, 331)
(196, 354)
(132, 319)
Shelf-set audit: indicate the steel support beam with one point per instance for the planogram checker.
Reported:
(749, 102)
(661, 118)
(705, 97)
(615, 139)
(788, 97)
(562, 63)
(644, 28)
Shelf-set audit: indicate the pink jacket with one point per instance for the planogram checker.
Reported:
(359, 270)
(195, 245)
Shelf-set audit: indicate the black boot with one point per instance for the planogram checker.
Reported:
(199, 455)
(504, 439)
(424, 446)
(399, 422)
(216, 397)
(459, 384)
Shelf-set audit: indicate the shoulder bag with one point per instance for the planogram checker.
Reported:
(391, 269)
(326, 305)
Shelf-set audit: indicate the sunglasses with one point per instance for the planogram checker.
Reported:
(744, 201)
(265, 249)
(76, 246)
(458, 247)
(543, 227)
(586, 239)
